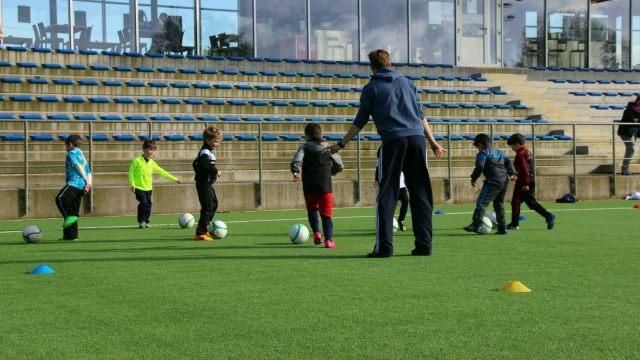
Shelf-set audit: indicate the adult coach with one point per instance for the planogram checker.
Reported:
(392, 100)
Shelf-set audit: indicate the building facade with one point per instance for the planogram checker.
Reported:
(508, 33)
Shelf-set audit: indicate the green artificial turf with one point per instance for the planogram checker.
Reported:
(156, 293)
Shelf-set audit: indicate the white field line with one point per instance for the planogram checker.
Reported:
(303, 219)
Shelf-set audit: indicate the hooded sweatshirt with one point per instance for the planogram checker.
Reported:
(392, 100)
(494, 164)
(316, 163)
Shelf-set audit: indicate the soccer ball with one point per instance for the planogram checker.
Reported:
(298, 234)
(31, 234)
(218, 229)
(186, 221)
(395, 225)
(486, 227)
(493, 218)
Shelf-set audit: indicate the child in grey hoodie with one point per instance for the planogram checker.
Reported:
(498, 170)
(314, 164)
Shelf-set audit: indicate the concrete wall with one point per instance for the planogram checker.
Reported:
(118, 200)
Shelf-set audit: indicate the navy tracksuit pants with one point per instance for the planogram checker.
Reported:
(406, 154)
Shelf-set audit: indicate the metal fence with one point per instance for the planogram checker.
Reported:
(564, 157)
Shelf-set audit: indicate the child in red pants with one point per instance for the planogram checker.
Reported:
(314, 165)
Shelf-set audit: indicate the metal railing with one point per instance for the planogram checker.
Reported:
(556, 155)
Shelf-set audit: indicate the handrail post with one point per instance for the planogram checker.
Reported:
(260, 166)
(533, 153)
(449, 161)
(26, 168)
(613, 159)
(90, 207)
(358, 169)
(575, 170)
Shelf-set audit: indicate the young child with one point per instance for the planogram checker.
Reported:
(525, 184)
(497, 169)
(403, 196)
(141, 179)
(316, 164)
(79, 180)
(206, 174)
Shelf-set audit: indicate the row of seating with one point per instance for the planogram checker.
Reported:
(605, 93)
(225, 86)
(210, 118)
(133, 54)
(582, 69)
(237, 102)
(15, 137)
(609, 107)
(589, 81)
(191, 71)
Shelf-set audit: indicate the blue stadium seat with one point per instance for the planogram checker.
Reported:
(303, 88)
(111, 83)
(545, 137)
(344, 76)
(288, 73)
(600, 107)
(173, 137)
(229, 118)
(433, 105)
(195, 137)
(620, 82)
(610, 93)
(58, 117)
(335, 119)
(268, 73)
(361, 76)
(245, 72)
(160, 84)
(294, 119)
(93, 99)
(62, 81)
(373, 137)
(207, 118)
(5, 63)
(319, 103)
(557, 81)
(123, 100)
(136, 118)
(48, 98)
(468, 106)
(195, 57)
(11, 80)
(208, 71)
(184, 118)
(605, 82)
(279, 103)
(237, 102)
(111, 117)
(5, 116)
(20, 98)
(132, 54)
(563, 137)
(284, 87)
(31, 117)
(154, 137)
(245, 137)
(451, 106)
(12, 137)
(154, 55)
(134, 83)
(41, 50)
(252, 119)
(633, 82)
(160, 118)
(269, 137)
(180, 85)
(307, 74)
(193, 101)
(206, 86)
(145, 69)
(99, 67)
(175, 56)
(326, 75)
(448, 91)
(298, 103)
(455, 137)
(322, 88)
(273, 59)
(574, 81)
(264, 87)
(333, 137)
(578, 93)
(229, 72)
(273, 119)
(76, 67)
(88, 82)
(110, 53)
(258, 102)
(519, 106)
(123, 68)
(51, 66)
(328, 62)
(625, 93)
(27, 65)
(215, 102)
(123, 137)
(84, 117)
(314, 119)
(243, 87)
(167, 70)
(255, 59)
(290, 137)
(220, 86)
(618, 107)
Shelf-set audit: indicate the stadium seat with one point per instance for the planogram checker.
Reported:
(136, 118)
(207, 118)
(21, 98)
(99, 137)
(132, 54)
(94, 99)
(124, 137)
(193, 101)
(16, 48)
(173, 137)
(245, 137)
(244, 87)
(160, 118)
(229, 118)
(206, 86)
(269, 137)
(111, 83)
(145, 69)
(134, 83)
(294, 119)
(31, 117)
(12, 137)
(123, 100)
(184, 118)
(195, 137)
(237, 102)
(48, 98)
(187, 71)
(11, 80)
(99, 67)
(62, 81)
(38, 81)
(123, 68)
(167, 70)
(284, 87)
(89, 82)
(110, 53)
(279, 103)
(215, 102)
(160, 84)
(290, 137)
(154, 137)
(220, 86)
(208, 71)
(154, 55)
(51, 66)
(252, 119)
(111, 117)
(273, 119)
(85, 117)
(258, 102)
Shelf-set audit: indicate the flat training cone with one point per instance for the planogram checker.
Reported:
(42, 270)
(637, 206)
(514, 286)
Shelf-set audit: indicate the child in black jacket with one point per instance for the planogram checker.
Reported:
(206, 174)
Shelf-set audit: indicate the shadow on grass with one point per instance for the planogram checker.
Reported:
(185, 258)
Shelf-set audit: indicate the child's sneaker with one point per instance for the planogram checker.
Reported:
(513, 227)
(402, 226)
(329, 244)
(551, 221)
(472, 229)
(204, 237)
(317, 238)
(141, 225)
(147, 225)
(69, 221)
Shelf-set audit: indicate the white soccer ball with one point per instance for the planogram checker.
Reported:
(494, 219)
(486, 227)
(218, 229)
(31, 234)
(635, 196)
(395, 225)
(298, 234)
(186, 221)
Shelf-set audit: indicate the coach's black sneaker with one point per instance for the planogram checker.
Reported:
(471, 228)
(378, 255)
(501, 231)
(551, 221)
(402, 226)
(418, 252)
(513, 227)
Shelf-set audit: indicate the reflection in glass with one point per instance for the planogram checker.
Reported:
(567, 33)
(473, 46)
(227, 27)
(523, 44)
(334, 30)
(166, 26)
(635, 34)
(104, 24)
(281, 28)
(609, 46)
(433, 31)
(36, 23)
(384, 26)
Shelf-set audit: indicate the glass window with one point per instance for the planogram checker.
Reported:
(635, 34)
(567, 33)
(36, 23)
(384, 26)
(433, 31)
(523, 23)
(166, 26)
(609, 46)
(103, 24)
(227, 27)
(281, 28)
(334, 30)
